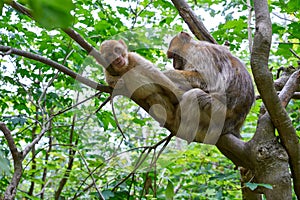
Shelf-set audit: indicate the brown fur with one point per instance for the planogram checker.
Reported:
(223, 78)
(140, 80)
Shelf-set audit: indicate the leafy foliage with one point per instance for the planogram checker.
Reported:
(52, 14)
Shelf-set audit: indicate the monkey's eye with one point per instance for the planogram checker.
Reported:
(118, 50)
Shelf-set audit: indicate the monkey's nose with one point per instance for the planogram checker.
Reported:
(117, 60)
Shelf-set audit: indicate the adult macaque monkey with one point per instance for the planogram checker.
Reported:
(223, 91)
(140, 80)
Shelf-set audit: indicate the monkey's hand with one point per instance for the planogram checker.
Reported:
(115, 82)
(187, 80)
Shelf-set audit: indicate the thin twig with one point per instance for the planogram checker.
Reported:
(48, 85)
(283, 18)
(139, 162)
(294, 53)
(91, 174)
(36, 140)
(249, 25)
(77, 104)
(143, 157)
(83, 182)
(116, 119)
(43, 189)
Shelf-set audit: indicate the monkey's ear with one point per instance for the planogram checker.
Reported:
(184, 36)
(123, 43)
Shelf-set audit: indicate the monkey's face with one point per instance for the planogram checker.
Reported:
(115, 54)
(175, 52)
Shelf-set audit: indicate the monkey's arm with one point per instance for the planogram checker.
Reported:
(187, 80)
(147, 69)
(113, 80)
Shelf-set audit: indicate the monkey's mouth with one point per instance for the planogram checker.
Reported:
(119, 62)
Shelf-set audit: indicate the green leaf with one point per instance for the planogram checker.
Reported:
(293, 5)
(219, 177)
(276, 28)
(4, 163)
(1, 6)
(237, 25)
(105, 119)
(293, 30)
(141, 122)
(283, 50)
(18, 120)
(52, 14)
(107, 194)
(253, 186)
(268, 186)
(123, 11)
(170, 191)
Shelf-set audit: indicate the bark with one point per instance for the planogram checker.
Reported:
(270, 161)
(246, 176)
(264, 81)
(288, 91)
(17, 158)
(195, 25)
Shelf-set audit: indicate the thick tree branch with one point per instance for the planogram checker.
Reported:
(10, 141)
(61, 68)
(89, 48)
(234, 149)
(264, 82)
(194, 23)
(17, 158)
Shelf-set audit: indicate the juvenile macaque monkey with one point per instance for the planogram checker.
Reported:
(140, 80)
(223, 91)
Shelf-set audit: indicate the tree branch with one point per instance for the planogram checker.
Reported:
(289, 89)
(249, 25)
(143, 157)
(17, 158)
(71, 158)
(61, 68)
(194, 23)
(264, 81)
(35, 141)
(234, 149)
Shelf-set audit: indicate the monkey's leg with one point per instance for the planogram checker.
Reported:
(190, 114)
(202, 117)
